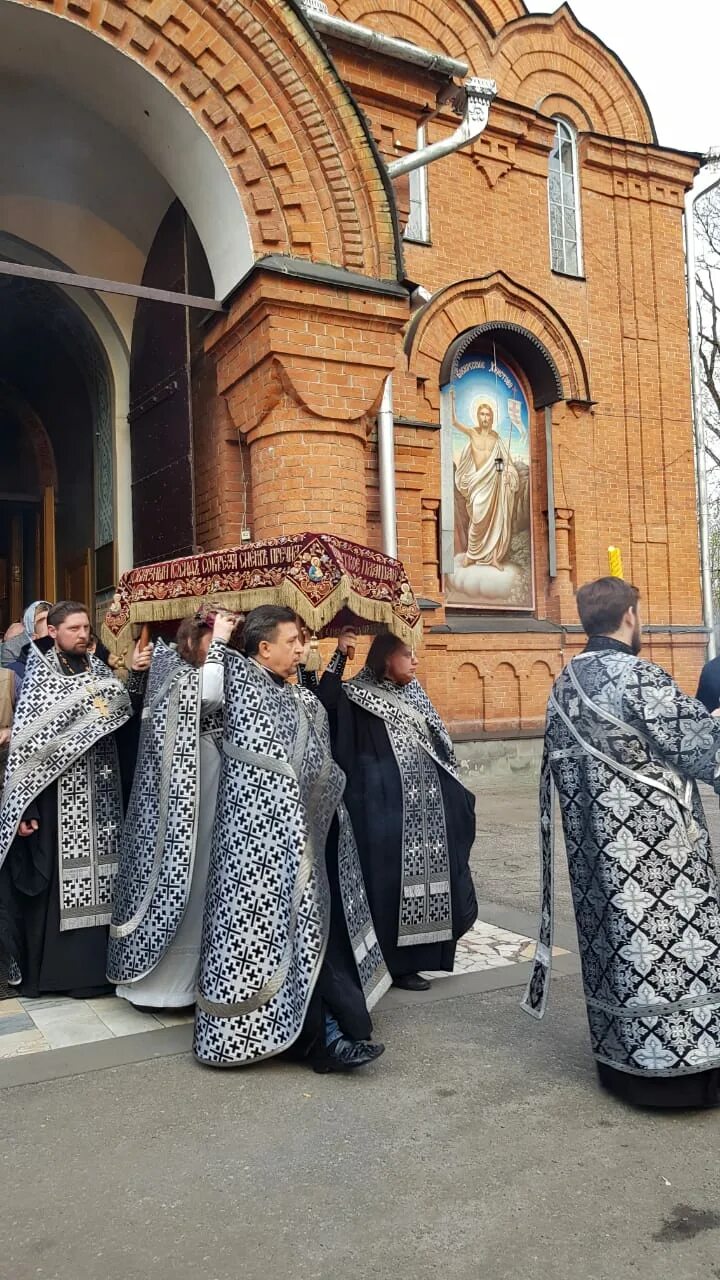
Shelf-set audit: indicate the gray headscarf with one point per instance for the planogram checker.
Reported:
(11, 649)
(28, 618)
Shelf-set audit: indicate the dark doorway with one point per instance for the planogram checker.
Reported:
(165, 337)
(48, 422)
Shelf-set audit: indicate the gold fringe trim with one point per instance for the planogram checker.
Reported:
(314, 617)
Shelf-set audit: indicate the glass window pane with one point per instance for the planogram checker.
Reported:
(557, 255)
(568, 190)
(563, 195)
(571, 258)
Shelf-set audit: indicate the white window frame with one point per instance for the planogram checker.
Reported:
(417, 230)
(570, 136)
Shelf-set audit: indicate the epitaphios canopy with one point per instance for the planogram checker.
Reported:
(328, 581)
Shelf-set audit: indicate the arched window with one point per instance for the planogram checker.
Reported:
(564, 202)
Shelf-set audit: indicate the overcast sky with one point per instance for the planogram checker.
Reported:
(673, 51)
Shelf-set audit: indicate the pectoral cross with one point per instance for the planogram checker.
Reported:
(101, 705)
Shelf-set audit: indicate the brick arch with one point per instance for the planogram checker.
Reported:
(538, 682)
(469, 692)
(492, 300)
(460, 28)
(542, 54)
(266, 93)
(469, 670)
(14, 403)
(556, 104)
(502, 697)
(541, 669)
(453, 27)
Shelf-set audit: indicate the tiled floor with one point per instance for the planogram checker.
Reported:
(33, 1026)
(487, 946)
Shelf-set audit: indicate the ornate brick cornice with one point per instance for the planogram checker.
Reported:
(263, 89)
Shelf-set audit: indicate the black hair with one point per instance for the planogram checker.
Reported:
(61, 611)
(262, 624)
(382, 648)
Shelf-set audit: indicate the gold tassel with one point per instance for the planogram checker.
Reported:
(315, 618)
(313, 658)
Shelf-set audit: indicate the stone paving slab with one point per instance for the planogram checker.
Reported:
(38, 1026)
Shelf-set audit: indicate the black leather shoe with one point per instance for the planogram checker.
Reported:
(412, 982)
(346, 1055)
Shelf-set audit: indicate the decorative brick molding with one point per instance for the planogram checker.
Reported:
(457, 27)
(265, 92)
(552, 54)
(300, 368)
(492, 299)
(549, 62)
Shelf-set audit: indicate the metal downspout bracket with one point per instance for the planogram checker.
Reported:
(473, 98)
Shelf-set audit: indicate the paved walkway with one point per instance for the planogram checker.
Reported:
(480, 1147)
(31, 1027)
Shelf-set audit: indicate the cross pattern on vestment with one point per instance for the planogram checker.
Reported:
(693, 949)
(654, 1056)
(685, 896)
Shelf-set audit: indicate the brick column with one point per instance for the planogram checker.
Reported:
(301, 367)
(561, 597)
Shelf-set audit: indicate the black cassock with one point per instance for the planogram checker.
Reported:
(374, 799)
(51, 962)
(54, 961)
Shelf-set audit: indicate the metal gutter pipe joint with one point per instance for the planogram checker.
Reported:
(474, 99)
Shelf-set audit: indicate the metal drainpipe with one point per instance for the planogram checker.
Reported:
(374, 42)
(386, 470)
(704, 183)
(473, 98)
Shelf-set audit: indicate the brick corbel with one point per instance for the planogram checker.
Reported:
(327, 349)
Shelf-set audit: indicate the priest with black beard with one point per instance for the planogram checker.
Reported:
(413, 818)
(62, 809)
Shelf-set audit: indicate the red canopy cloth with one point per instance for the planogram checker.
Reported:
(328, 581)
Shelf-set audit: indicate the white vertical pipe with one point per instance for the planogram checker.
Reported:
(386, 470)
(698, 419)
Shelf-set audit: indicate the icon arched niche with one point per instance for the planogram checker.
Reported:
(547, 365)
(495, 382)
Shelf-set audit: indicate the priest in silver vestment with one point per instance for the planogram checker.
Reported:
(159, 896)
(62, 808)
(290, 961)
(624, 748)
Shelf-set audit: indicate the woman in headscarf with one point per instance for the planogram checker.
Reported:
(414, 820)
(34, 627)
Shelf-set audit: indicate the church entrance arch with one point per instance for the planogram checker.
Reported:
(236, 116)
